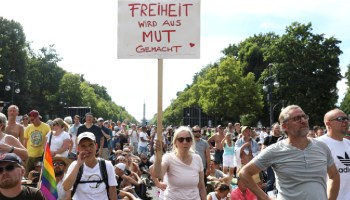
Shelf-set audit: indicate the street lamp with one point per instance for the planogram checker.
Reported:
(13, 86)
(269, 83)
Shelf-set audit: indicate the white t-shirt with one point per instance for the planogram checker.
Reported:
(341, 152)
(93, 191)
(262, 136)
(133, 136)
(163, 137)
(73, 130)
(60, 191)
(144, 136)
(182, 179)
(57, 142)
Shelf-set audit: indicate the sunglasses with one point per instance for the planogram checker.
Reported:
(298, 118)
(340, 119)
(182, 139)
(59, 164)
(55, 124)
(194, 131)
(7, 168)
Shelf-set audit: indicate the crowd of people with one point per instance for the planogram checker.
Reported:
(95, 158)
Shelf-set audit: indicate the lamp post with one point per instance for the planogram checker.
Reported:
(269, 83)
(12, 85)
(282, 107)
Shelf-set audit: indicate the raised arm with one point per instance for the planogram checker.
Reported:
(159, 167)
(246, 174)
(210, 140)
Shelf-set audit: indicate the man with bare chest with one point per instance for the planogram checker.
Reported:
(217, 138)
(14, 128)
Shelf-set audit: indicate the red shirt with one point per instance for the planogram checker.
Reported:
(236, 194)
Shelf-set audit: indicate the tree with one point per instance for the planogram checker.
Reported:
(307, 67)
(345, 104)
(13, 56)
(70, 90)
(44, 79)
(221, 91)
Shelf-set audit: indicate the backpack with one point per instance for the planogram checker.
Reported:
(104, 174)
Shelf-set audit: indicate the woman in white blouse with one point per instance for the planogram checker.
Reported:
(60, 138)
(183, 167)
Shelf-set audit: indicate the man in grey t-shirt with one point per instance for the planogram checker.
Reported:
(202, 148)
(301, 164)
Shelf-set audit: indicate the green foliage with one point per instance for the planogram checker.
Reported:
(249, 120)
(13, 56)
(44, 85)
(305, 64)
(307, 67)
(220, 91)
(345, 104)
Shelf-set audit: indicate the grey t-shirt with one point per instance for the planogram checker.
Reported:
(219, 174)
(300, 174)
(201, 146)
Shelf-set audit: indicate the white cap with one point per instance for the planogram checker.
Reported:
(89, 135)
(100, 119)
(120, 166)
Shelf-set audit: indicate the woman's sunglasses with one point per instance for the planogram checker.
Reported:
(182, 139)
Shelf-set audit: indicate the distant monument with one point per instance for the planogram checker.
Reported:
(144, 121)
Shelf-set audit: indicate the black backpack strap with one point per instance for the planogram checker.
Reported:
(104, 174)
(270, 139)
(80, 174)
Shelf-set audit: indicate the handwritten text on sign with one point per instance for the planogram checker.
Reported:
(159, 29)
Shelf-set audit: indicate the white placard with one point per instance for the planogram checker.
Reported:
(158, 29)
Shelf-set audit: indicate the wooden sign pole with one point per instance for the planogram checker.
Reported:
(160, 109)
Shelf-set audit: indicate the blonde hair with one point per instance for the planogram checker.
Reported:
(62, 123)
(3, 121)
(180, 130)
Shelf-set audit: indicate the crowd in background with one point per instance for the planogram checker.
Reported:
(197, 162)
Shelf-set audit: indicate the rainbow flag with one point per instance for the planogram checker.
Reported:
(48, 180)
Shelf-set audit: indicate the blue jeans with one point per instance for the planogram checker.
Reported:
(142, 150)
(270, 179)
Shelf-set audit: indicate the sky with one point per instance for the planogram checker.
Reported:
(84, 34)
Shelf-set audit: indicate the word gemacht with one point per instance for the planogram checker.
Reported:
(142, 49)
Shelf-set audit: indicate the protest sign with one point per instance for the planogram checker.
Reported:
(159, 29)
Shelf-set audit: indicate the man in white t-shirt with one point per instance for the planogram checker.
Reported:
(133, 136)
(263, 134)
(91, 185)
(143, 141)
(337, 124)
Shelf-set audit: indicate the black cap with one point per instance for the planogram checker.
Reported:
(10, 157)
